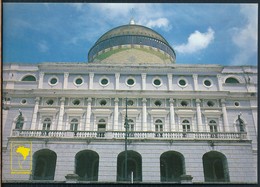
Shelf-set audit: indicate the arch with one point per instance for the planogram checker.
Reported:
(86, 165)
(172, 166)
(215, 167)
(74, 124)
(232, 80)
(44, 164)
(29, 78)
(134, 164)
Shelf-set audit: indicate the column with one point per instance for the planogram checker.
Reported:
(220, 82)
(88, 115)
(144, 115)
(65, 81)
(195, 79)
(117, 76)
(169, 81)
(115, 127)
(199, 119)
(60, 121)
(225, 118)
(41, 75)
(35, 111)
(143, 81)
(172, 116)
(81, 123)
(91, 77)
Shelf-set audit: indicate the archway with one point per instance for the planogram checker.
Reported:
(134, 166)
(172, 166)
(44, 164)
(86, 165)
(215, 167)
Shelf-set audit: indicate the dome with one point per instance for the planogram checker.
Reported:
(131, 44)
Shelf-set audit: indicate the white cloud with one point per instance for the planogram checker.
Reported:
(245, 38)
(43, 46)
(160, 23)
(196, 42)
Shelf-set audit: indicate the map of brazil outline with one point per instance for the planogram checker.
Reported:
(21, 157)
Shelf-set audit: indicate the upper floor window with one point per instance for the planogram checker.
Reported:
(158, 127)
(29, 78)
(231, 80)
(46, 124)
(131, 124)
(101, 128)
(186, 126)
(53, 81)
(130, 81)
(213, 126)
(74, 124)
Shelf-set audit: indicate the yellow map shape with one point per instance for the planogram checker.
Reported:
(24, 151)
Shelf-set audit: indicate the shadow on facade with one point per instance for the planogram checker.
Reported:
(86, 165)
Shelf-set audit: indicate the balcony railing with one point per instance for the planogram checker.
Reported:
(131, 135)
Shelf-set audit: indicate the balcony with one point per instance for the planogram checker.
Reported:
(131, 135)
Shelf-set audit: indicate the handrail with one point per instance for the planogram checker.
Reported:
(131, 135)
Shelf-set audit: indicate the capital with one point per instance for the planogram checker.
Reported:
(37, 99)
(62, 99)
(66, 74)
(195, 76)
(116, 99)
(91, 75)
(144, 100)
(198, 101)
(89, 100)
(117, 75)
(172, 100)
(41, 74)
(143, 75)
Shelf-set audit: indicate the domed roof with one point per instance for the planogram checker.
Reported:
(132, 44)
(131, 29)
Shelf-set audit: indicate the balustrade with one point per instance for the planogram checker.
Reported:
(131, 135)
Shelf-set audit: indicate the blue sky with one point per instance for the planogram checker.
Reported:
(224, 34)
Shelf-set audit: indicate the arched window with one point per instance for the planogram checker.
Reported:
(44, 164)
(74, 125)
(86, 167)
(134, 166)
(215, 167)
(213, 126)
(131, 125)
(101, 128)
(46, 126)
(231, 80)
(186, 125)
(172, 166)
(158, 128)
(29, 78)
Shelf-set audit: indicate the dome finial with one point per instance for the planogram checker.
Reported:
(132, 21)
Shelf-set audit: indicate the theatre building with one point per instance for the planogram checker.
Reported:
(185, 123)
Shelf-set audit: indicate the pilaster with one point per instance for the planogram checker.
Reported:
(60, 121)
(35, 112)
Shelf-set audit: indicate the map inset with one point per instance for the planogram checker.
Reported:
(21, 157)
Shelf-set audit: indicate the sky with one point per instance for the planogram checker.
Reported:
(224, 34)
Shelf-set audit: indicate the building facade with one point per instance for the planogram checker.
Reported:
(186, 123)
